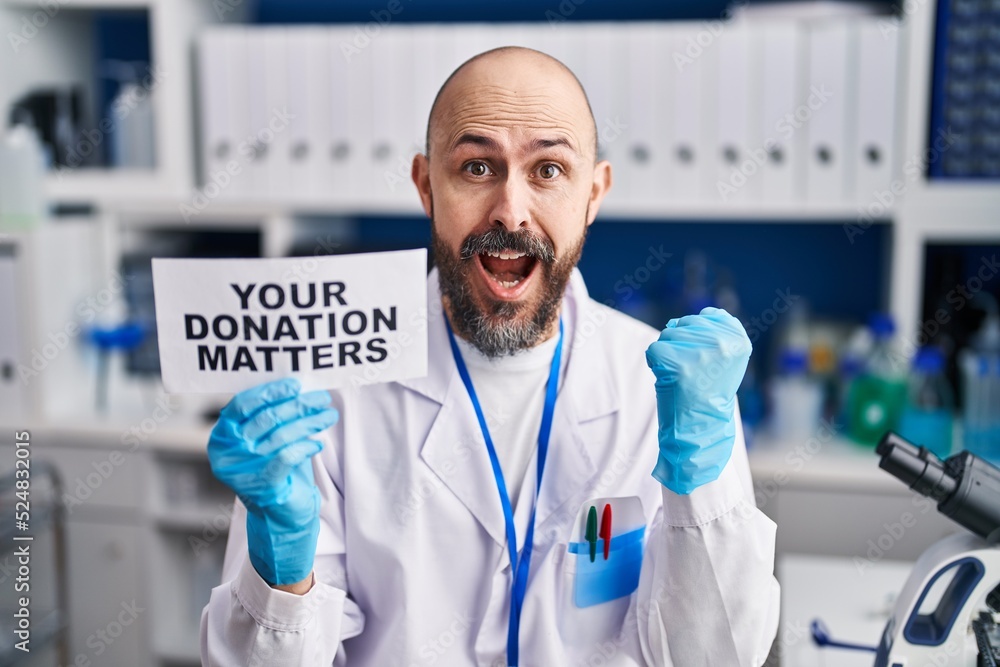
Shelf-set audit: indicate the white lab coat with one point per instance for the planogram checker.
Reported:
(412, 566)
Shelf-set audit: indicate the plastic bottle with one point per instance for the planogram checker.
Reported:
(751, 402)
(22, 173)
(850, 365)
(980, 367)
(877, 395)
(796, 398)
(927, 417)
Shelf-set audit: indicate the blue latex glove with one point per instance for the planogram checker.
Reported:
(699, 362)
(260, 448)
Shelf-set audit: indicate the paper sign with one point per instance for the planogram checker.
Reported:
(225, 325)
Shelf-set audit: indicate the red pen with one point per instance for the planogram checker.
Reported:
(606, 530)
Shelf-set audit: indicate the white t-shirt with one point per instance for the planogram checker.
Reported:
(511, 392)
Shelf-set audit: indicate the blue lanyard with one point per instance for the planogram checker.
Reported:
(519, 569)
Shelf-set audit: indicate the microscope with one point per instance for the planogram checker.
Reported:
(947, 613)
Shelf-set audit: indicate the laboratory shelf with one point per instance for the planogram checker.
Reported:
(187, 520)
(88, 185)
(828, 497)
(184, 433)
(141, 210)
(815, 463)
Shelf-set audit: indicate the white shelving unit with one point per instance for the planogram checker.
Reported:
(52, 55)
(926, 212)
(125, 542)
(930, 211)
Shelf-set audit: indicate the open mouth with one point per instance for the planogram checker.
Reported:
(507, 272)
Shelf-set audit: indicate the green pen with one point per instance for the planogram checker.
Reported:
(592, 532)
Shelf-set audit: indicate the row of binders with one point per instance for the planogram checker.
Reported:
(744, 112)
(966, 95)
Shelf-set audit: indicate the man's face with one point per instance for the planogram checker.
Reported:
(511, 186)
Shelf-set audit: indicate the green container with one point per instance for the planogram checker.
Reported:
(876, 405)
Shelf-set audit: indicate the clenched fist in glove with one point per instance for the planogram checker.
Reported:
(699, 362)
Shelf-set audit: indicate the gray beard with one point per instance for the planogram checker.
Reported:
(502, 328)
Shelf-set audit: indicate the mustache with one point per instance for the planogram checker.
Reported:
(499, 239)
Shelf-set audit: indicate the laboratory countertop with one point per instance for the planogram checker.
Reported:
(183, 433)
(854, 605)
(831, 463)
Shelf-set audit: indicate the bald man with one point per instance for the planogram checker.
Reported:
(500, 510)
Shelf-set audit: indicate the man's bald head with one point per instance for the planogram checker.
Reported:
(513, 185)
(521, 72)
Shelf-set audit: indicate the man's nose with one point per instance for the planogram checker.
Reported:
(511, 205)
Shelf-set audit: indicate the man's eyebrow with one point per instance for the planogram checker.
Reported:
(541, 144)
(477, 140)
(492, 144)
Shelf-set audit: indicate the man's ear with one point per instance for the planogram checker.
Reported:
(599, 190)
(420, 172)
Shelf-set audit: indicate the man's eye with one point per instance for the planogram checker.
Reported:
(549, 171)
(478, 169)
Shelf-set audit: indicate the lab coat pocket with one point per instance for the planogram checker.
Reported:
(601, 580)
(595, 595)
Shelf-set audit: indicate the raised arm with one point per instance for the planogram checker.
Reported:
(707, 594)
